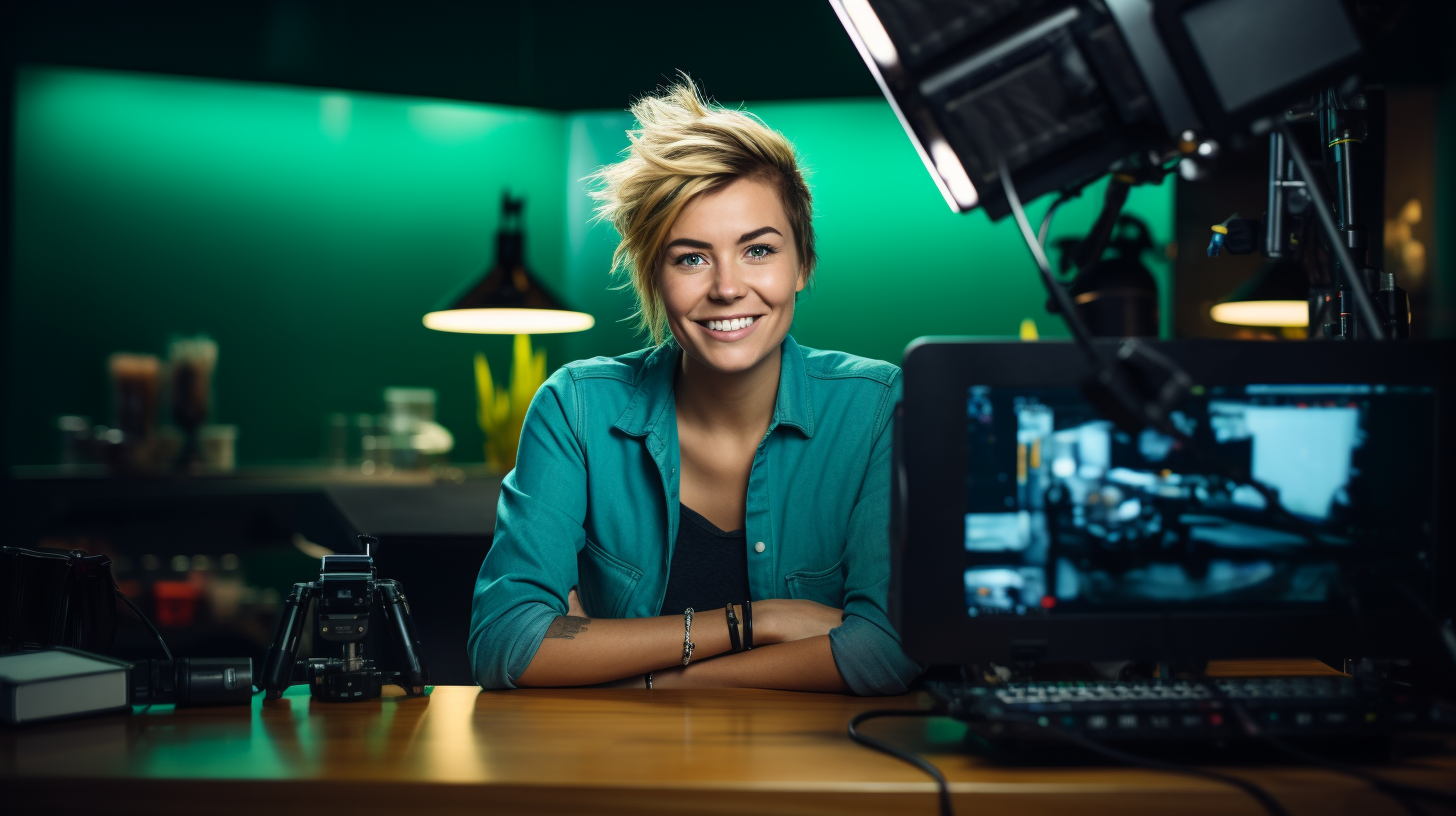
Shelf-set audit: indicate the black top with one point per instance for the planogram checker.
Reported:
(709, 567)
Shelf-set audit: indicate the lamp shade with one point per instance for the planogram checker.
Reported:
(508, 299)
(1276, 295)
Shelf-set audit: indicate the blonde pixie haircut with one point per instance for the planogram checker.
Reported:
(685, 146)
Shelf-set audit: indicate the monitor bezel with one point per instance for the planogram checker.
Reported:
(928, 517)
(1170, 20)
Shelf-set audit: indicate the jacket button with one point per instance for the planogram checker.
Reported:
(758, 547)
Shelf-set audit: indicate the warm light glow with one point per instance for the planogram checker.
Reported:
(872, 32)
(509, 321)
(950, 168)
(1291, 313)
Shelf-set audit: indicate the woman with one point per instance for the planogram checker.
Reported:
(727, 471)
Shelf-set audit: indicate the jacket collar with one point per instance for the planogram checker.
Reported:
(650, 404)
(793, 406)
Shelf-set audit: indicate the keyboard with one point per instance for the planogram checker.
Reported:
(1142, 710)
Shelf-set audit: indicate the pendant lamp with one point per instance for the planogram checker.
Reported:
(1276, 295)
(508, 299)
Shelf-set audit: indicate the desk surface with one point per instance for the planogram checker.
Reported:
(599, 751)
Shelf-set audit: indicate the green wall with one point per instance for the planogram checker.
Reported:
(308, 230)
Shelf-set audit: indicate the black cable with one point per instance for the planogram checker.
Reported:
(1260, 795)
(1403, 794)
(143, 619)
(943, 788)
(1354, 277)
(1400, 792)
(1046, 221)
(1054, 289)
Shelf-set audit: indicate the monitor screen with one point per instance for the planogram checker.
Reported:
(1068, 515)
(1255, 48)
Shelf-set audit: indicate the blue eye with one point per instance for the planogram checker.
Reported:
(691, 259)
(760, 251)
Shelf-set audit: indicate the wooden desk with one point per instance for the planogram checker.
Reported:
(595, 751)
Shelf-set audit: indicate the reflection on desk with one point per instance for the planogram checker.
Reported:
(593, 751)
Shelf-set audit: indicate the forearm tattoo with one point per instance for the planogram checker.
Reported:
(567, 627)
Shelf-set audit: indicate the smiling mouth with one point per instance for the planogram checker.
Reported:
(731, 324)
(730, 328)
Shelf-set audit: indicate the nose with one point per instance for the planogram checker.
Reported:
(728, 284)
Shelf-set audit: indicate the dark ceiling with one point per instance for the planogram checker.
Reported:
(564, 55)
(567, 54)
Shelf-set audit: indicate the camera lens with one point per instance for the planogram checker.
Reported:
(193, 681)
(219, 680)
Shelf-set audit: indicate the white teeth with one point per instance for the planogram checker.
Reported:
(730, 325)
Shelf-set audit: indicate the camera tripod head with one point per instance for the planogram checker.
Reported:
(346, 587)
(345, 598)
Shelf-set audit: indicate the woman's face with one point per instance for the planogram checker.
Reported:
(728, 275)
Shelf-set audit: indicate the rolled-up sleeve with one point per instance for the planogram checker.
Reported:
(866, 647)
(531, 565)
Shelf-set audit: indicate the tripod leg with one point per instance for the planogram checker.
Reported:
(282, 655)
(413, 675)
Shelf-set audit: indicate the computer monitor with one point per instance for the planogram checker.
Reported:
(1030, 528)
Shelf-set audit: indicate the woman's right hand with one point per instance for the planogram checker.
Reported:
(783, 620)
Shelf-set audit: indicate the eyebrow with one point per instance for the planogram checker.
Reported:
(742, 239)
(749, 236)
(689, 242)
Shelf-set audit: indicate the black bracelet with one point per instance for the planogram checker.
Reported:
(733, 629)
(747, 625)
(647, 678)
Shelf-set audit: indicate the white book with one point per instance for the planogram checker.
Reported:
(55, 683)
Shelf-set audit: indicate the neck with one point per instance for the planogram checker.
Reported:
(728, 401)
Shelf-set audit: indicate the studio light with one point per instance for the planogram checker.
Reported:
(1276, 296)
(508, 299)
(878, 51)
(1062, 91)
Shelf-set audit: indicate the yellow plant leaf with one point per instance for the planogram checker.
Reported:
(503, 410)
(485, 388)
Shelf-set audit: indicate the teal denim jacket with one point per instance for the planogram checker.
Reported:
(593, 504)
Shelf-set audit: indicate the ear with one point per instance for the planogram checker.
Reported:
(803, 280)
